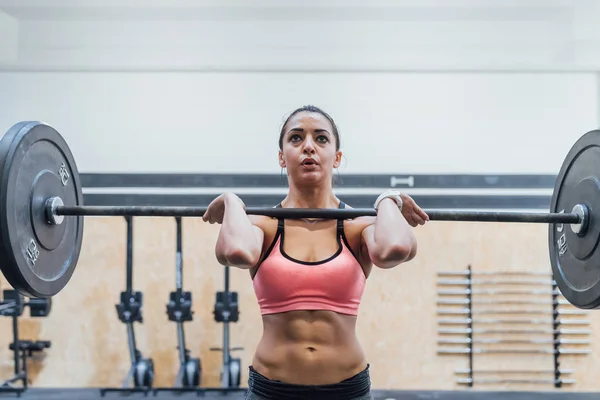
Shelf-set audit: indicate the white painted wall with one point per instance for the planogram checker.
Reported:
(373, 38)
(465, 87)
(229, 122)
(9, 38)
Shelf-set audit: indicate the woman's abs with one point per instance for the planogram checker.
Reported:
(309, 348)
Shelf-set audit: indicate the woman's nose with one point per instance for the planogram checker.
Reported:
(308, 145)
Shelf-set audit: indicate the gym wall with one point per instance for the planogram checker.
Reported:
(465, 90)
(467, 123)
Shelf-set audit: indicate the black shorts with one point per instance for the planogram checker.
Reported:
(357, 387)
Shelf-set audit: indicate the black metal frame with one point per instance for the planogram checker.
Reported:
(20, 360)
(556, 336)
(19, 347)
(470, 323)
(180, 317)
(129, 311)
(226, 349)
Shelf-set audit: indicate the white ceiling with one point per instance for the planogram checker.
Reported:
(274, 9)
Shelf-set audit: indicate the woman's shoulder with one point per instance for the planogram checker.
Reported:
(262, 221)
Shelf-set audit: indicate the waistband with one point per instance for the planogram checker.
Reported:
(354, 387)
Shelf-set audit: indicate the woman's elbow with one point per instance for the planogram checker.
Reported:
(395, 254)
(238, 257)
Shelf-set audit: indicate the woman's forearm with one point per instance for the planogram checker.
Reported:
(240, 242)
(393, 240)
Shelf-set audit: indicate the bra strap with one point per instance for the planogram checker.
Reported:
(279, 221)
(340, 222)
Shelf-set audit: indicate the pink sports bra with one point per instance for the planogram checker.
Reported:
(282, 283)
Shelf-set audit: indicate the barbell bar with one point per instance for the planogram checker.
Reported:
(42, 210)
(296, 213)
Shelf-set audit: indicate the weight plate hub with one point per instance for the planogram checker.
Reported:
(575, 259)
(36, 163)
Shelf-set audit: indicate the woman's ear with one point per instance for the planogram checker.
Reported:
(338, 159)
(281, 160)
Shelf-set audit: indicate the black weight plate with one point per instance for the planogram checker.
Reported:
(576, 260)
(35, 161)
(8, 269)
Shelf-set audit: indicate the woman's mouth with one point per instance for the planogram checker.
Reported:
(308, 163)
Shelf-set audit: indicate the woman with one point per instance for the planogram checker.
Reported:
(309, 275)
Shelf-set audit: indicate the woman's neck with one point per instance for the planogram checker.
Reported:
(310, 197)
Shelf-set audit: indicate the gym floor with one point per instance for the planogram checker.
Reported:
(90, 394)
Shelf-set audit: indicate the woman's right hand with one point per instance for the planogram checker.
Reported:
(216, 209)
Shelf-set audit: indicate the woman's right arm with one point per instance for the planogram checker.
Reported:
(240, 242)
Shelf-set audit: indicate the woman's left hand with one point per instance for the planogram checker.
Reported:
(413, 214)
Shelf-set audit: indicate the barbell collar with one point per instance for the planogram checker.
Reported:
(326, 213)
(584, 215)
(52, 203)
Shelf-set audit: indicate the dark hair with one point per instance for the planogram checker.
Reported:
(311, 108)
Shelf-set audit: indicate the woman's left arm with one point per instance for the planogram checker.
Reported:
(390, 240)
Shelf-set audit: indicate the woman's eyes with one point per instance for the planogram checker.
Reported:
(320, 138)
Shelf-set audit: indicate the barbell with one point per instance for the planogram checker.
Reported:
(42, 210)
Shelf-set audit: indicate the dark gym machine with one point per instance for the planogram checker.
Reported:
(140, 376)
(13, 305)
(179, 310)
(226, 311)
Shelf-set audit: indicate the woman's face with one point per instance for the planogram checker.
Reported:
(309, 148)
